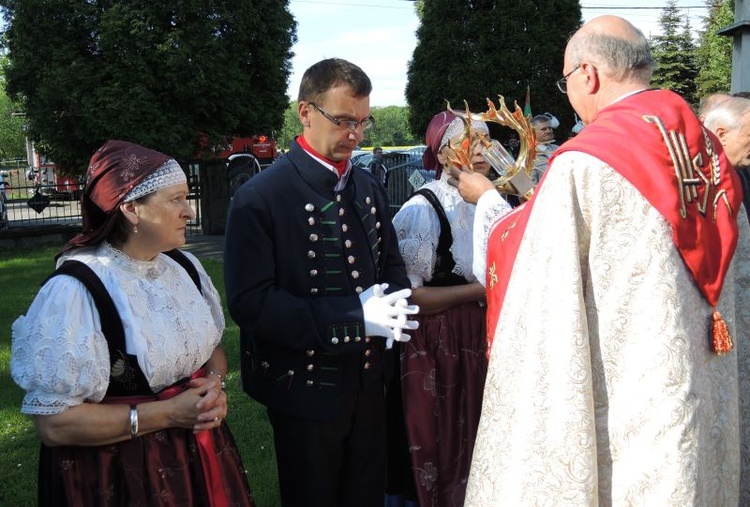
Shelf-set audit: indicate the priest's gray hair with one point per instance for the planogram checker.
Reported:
(620, 58)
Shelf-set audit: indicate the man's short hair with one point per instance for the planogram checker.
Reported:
(620, 58)
(539, 119)
(709, 102)
(327, 74)
(728, 113)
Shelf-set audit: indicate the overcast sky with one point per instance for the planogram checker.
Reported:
(379, 35)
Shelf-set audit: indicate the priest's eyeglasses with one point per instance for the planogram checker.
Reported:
(350, 125)
(562, 83)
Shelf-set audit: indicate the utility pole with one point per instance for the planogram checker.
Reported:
(31, 158)
(740, 32)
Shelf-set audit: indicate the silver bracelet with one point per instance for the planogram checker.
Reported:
(133, 421)
(221, 378)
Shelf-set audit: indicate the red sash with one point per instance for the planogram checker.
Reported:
(653, 140)
(204, 439)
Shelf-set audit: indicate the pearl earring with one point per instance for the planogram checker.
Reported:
(135, 229)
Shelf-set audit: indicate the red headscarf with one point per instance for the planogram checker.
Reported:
(435, 130)
(113, 171)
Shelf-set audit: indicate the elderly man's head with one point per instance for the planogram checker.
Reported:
(605, 59)
(543, 128)
(730, 121)
(709, 102)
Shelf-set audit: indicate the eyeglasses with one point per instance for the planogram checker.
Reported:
(562, 83)
(349, 125)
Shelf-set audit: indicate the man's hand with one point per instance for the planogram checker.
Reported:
(385, 314)
(398, 334)
(471, 185)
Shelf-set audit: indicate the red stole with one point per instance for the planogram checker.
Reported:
(674, 162)
(502, 249)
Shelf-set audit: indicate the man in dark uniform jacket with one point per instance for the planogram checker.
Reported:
(377, 167)
(307, 243)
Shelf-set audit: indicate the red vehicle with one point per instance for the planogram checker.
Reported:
(52, 183)
(261, 147)
(245, 157)
(264, 149)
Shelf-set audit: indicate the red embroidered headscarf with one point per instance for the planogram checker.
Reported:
(433, 139)
(113, 171)
(442, 128)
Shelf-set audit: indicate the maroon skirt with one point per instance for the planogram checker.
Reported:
(443, 368)
(163, 468)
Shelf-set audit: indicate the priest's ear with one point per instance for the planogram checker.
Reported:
(592, 79)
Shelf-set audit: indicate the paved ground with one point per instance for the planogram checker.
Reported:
(202, 245)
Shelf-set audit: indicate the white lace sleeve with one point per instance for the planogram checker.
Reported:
(58, 356)
(418, 230)
(210, 294)
(490, 207)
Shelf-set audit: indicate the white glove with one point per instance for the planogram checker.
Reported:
(398, 335)
(385, 314)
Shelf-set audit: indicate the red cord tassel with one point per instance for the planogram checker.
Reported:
(721, 341)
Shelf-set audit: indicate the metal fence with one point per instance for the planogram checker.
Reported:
(405, 174)
(39, 202)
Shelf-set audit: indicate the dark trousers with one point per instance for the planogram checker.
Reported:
(338, 463)
(399, 475)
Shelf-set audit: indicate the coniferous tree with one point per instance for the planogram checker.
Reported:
(714, 52)
(162, 74)
(476, 49)
(675, 55)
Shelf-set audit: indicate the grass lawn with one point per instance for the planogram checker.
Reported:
(21, 272)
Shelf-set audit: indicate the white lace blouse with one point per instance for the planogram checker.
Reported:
(418, 231)
(60, 356)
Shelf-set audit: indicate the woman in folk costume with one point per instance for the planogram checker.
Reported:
(120, 354)
(444, 365)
